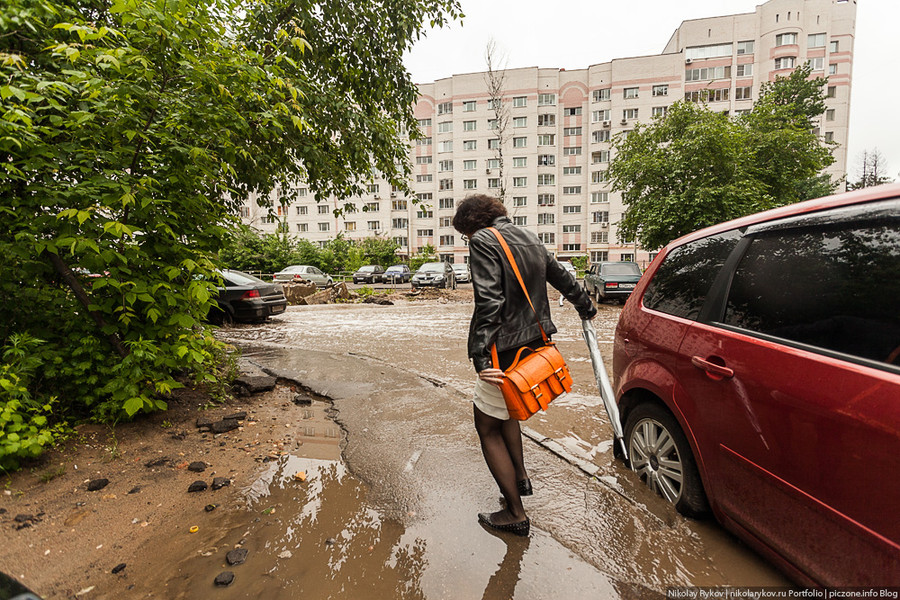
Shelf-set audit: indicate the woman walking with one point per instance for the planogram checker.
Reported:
(504, 317)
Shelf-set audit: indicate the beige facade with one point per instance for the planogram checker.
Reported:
(557, 147)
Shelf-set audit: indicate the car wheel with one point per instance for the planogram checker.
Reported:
(661, 456)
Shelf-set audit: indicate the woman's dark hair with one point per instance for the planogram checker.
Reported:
(477, 212)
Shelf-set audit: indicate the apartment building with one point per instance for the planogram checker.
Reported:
(556, 145)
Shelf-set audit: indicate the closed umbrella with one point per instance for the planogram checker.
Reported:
(606, 392)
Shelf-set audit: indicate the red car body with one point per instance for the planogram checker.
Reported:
(795, 429)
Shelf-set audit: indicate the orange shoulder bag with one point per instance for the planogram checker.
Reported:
(535, 377)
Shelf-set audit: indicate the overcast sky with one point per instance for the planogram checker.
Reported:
(573, 34)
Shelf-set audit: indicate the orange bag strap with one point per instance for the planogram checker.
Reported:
(515, 268)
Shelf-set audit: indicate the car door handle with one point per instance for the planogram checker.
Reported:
(713, 368)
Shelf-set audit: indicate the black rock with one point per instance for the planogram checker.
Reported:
(157, 462)
(135, 490)
(204, 422)
(198, 486)
(23, 518)
(224, 578)
(23, 525)
(118, 568)
(238, 416)
(255, 384)
(236, 556)
(97, 484)
(178, 435)
(302, 399)
(220, 482)
(197, 467)
(224, 425)
(210, 507)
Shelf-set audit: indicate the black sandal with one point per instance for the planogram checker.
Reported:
(524, 486)
(522, 528)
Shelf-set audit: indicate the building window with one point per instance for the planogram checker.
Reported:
(786, 39)
(520, 221)
(546, 179)
(630, 113)
(520, 142)
(546, 120)
(743, 93)
(425, 232)
(470, 125)
(717, 95)
(599, 237)
(660, 90)
(599, 176)
(445, 126)
(600, 156)
(445, 146)
(572, 209)
(745, 47)
(424, 178)
(546, 218)
(829, 114)
(425, 196)
(546, 160)
(598, 197)
(571, 190)
(829, 136)
(301, 210)
(832, 92)
(399, 205)
(520, 101)
(520, 200)
(600, 216)
(571, 229)
(600, 95)
(468, 106)
(401, 241)
(371, 207)
(571, 150)
(245, 211)
(785, 62)
(832, 69)
(470, 145)
(711, 51)
(817, 64)
(493, 182)
(571, 131)
(659, 111)
(445, 221)
(598, 116)
(520, 181)
(423, 160)
(445, 108)
(424, 213)
(426, 141)
(627, 257)
(493, 143)
(350, 226)
(547, 238)
(630, 92)
(493, 163)
(707, 73)
(446, 240)
(601, 135)
(470, 184)
(546, 199)
(445, 184)
(470, 165)
(520, 122)
(324, 226)
(572, 112)
(833, 47)
(492, 124)
(815, 40)
(303, 227)
(424, 122)
(546, 99)
(323, 210)
(745, 70)
(571, 170)
(399, 223)
(520, 162)
(445, 165)
(599, 256)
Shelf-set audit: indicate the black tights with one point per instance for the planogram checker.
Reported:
(501, 444)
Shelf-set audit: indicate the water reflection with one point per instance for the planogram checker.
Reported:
(502, 584)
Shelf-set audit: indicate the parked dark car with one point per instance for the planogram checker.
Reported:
(611, 279)
(301, 273)
(757, 371)
(397, 274)
(369, 274)
(244, 298)
(435, 274)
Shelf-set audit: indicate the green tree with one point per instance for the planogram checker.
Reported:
(695, 167)
(130, 132)
(379, 251)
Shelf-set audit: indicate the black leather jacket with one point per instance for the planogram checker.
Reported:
(502, 313)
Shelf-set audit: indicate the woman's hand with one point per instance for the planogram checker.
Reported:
(492, 376)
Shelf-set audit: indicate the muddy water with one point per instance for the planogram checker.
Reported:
(397, 520)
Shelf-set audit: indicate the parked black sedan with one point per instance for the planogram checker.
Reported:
(436, 274)
(612, 279)
(245, 298)
(369, 274)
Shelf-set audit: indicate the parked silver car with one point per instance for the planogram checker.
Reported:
(303, 273)
(462, 273)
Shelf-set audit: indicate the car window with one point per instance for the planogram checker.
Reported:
(237, 278)
(833, 287)
(680, 285)
(624, 268)
(366, 269)
(315, 271)
(432, 268)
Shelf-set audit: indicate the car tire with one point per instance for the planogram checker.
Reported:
(653, 435)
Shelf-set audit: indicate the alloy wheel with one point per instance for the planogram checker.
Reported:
(655, 457)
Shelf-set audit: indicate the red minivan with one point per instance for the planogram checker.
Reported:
(757, 371)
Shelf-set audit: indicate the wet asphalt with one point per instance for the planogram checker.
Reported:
(391, 508)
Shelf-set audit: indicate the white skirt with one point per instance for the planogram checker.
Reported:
(489, 400)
